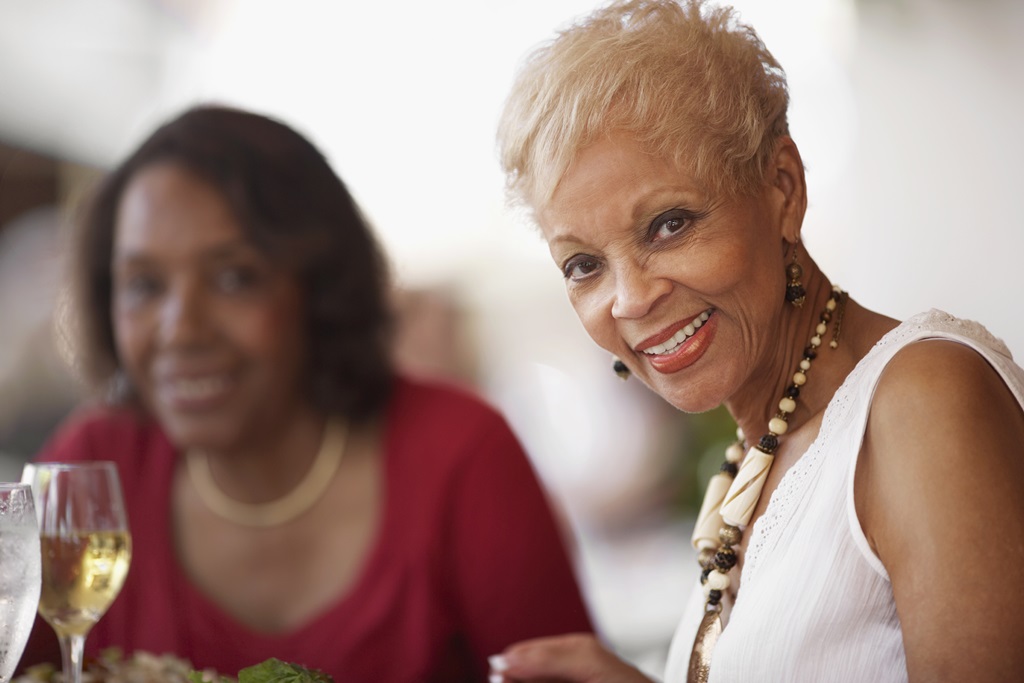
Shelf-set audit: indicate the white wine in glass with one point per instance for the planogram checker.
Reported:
(19, 573)
(86, 549)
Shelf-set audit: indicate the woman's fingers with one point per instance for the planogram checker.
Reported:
(575, 658)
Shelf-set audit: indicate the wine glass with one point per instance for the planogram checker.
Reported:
(19, 573)
(86, 549)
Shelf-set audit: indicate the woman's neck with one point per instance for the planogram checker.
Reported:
(266, 468)
(758, 401)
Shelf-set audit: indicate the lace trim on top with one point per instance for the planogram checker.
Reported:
(782, 503)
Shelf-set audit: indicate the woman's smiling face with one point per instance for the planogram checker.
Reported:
(211, 332)
(685, 287)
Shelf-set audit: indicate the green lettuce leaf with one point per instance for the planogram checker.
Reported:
(275, 671)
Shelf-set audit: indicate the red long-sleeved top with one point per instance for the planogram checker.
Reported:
(467, 561)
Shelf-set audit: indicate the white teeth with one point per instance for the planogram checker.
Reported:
(198, 388)
(679, 337)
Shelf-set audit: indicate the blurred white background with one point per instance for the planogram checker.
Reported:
(907, 113)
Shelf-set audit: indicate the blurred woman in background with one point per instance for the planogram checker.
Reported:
(289, 494)
(868, 525)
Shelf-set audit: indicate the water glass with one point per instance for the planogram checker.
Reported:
(19, 573)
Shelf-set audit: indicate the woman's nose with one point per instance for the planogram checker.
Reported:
(183, 317)
(637, 290)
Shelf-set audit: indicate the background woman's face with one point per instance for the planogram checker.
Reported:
(684, 286)
(211, 333)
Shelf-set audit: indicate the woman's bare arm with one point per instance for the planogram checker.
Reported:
(940, 493)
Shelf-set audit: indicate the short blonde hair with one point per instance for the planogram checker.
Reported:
(686, 79)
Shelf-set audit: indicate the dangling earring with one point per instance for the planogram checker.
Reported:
(795, 293)
(620, 368)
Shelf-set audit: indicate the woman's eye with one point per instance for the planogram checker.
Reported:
(579, 267)
(236, 279)
(138, 288)
(669, 223)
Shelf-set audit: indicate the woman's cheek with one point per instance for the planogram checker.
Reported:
(595, 315)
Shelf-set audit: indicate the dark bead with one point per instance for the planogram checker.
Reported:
(793, 392)
(714, 597)
(620, 369)
(725, 559)
(810, 353)
(795, 294)
(826, 316)
(729, 468)
(768, 444)
(704, 575)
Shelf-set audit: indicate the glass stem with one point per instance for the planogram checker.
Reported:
(71, 648)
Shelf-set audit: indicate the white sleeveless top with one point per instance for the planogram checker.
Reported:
(815, 603)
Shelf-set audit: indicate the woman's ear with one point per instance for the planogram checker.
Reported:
(789, 188)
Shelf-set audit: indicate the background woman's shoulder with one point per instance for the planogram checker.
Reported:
(447, 424)
(441, 404)
(94, 432)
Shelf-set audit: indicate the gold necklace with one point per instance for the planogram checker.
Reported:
(289, 506)
(732, 496)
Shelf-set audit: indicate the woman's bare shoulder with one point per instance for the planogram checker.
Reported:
(941, 396)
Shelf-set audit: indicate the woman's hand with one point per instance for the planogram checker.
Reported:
(576, 658)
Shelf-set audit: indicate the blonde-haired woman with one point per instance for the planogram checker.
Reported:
(869, 525)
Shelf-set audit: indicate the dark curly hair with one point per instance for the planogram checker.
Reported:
(296, 210)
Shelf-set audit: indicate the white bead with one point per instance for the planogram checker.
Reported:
(718, 581)
(742, 497)
(815, 341)
(734, 453)
(831, 305)
(834, 344)
(777, 426)
(805, 364)
(821, 328)
(787, 405)
(799, 379)
(739, 434)
(709, 520)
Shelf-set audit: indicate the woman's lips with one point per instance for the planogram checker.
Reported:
(194, 393)
(688, 352)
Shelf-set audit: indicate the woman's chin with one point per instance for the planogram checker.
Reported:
(688, 399)
(206, 435)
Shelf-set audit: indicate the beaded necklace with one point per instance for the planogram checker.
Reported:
(733, 493)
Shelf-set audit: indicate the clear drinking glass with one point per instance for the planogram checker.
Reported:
(19, 573)
(86, 549)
